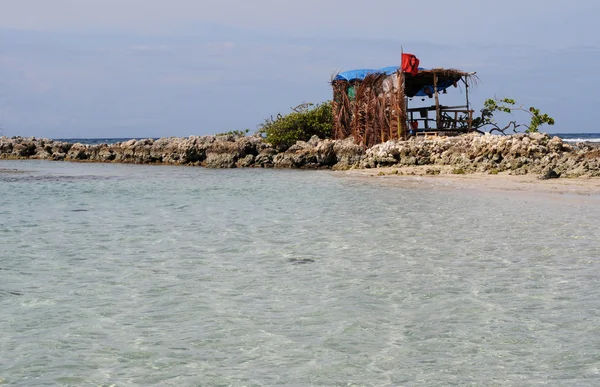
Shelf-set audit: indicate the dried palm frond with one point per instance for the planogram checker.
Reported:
(378, 112)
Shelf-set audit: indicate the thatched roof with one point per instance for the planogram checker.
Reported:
(415, 84)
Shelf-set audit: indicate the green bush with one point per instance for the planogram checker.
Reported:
(507, 105)
(236, 133)
(301, 124)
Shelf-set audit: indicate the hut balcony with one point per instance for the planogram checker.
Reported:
(452, 120)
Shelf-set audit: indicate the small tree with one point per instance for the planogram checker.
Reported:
(305, 121)
(235, 133)
(507, 105)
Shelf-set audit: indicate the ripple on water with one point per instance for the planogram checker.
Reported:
(137, 275)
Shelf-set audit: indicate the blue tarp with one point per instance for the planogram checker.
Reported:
(440, 87)
(356, 75)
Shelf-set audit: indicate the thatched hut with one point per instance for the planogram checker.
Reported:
(373, 105)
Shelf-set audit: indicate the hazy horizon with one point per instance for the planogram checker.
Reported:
(154, 69)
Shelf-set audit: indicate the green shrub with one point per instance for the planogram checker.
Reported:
(236, 133)
(507, 105)
(301, 124)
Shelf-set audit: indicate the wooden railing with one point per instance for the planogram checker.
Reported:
(451, 119)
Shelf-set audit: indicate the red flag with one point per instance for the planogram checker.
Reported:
(410, 64)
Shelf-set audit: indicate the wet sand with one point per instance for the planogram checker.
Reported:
(5, 170)
(422, 176)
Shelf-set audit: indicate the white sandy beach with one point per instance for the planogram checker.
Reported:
(418, 176)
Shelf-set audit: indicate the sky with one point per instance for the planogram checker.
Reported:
(154, 68)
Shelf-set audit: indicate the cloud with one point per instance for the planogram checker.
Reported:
(58, 84)
(462, 21)
(149, 48)
(191, 79)
(219, 48)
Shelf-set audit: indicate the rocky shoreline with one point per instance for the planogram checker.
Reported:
(519, 154)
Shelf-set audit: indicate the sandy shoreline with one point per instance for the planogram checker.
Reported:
(419, 177)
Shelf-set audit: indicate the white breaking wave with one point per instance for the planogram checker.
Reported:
(581, 139)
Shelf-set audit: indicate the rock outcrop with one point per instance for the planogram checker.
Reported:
(535, 153)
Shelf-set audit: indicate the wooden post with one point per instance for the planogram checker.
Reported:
(407, 121)
(470, 115)
(438, 115)
(401, 108)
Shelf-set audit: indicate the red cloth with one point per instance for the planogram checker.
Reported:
(410, 64)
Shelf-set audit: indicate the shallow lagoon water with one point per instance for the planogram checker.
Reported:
(154, 275)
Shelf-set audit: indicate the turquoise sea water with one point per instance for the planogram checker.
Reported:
(151, 275)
